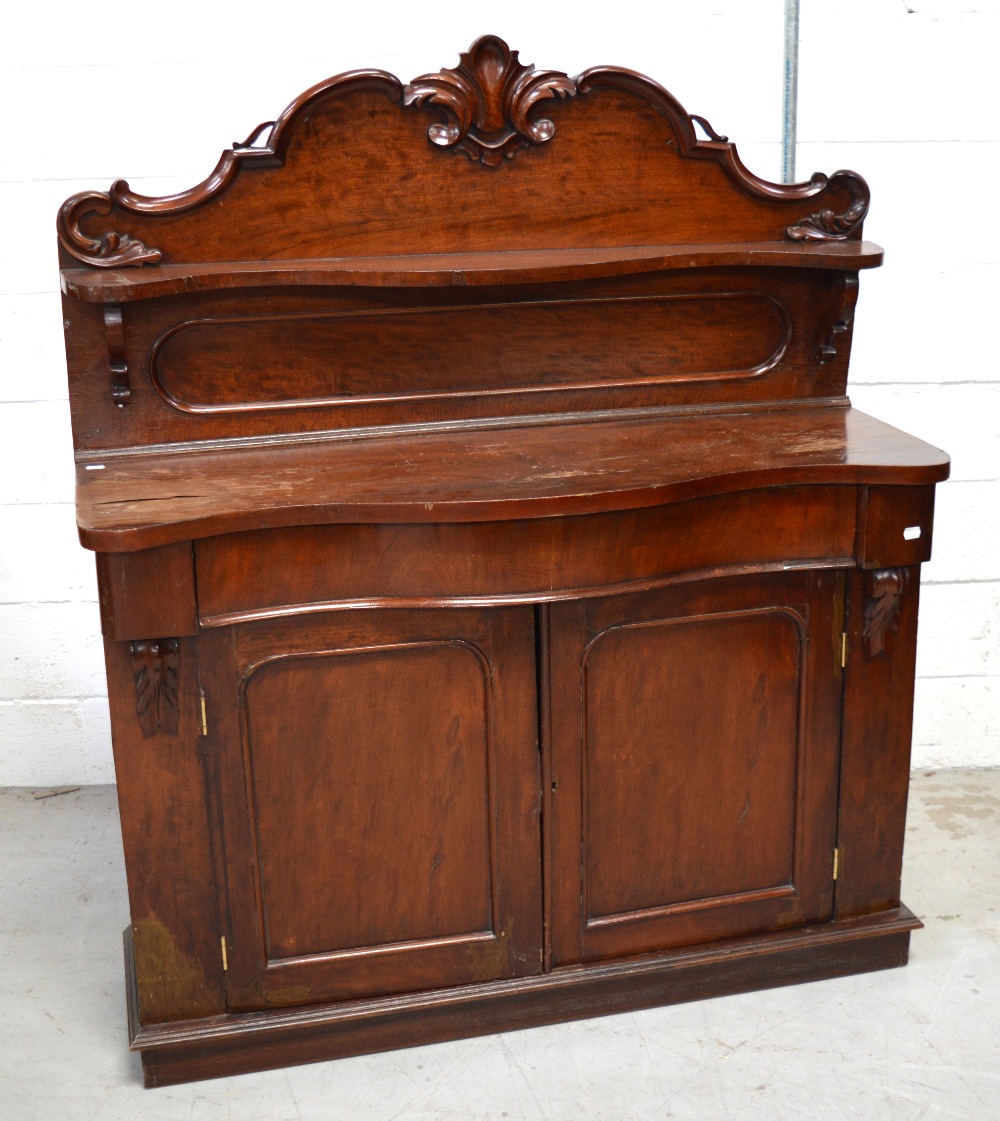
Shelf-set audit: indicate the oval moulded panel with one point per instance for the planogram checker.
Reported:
(265, 362)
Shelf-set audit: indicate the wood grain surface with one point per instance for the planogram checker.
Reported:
(483, 474)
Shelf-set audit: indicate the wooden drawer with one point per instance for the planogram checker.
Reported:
(282, 571)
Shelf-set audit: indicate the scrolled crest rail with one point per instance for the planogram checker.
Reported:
(489, 109)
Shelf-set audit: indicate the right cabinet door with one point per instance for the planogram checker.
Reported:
(694, 736)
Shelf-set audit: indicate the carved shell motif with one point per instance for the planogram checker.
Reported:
(487, 100)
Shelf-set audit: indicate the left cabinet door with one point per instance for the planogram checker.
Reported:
(377, 781)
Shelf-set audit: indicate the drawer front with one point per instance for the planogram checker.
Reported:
(290, 571)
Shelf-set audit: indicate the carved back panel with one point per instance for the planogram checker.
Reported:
(347, 170)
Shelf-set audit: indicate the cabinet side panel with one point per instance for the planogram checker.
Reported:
(166, 833)
(878, 723)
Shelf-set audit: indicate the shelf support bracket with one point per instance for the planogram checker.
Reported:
(114, 326)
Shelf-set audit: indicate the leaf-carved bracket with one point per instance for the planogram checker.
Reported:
(886, 587)
(155, 664)
(487, 100)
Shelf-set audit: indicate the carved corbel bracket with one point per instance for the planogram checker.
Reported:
(155, 664)
(826, 350)
(114, 326)
(487, 100)
(828, 225)
(885, 588)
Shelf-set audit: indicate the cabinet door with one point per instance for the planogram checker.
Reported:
(694, 748)
(378, 779)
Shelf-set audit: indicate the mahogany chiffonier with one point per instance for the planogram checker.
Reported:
(507, 617)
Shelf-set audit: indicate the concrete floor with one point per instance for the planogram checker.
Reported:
(920, 1042)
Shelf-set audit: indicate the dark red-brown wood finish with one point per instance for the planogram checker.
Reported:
(507, 617)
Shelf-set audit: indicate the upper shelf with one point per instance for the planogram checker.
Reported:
(443, 269)
(552, 467)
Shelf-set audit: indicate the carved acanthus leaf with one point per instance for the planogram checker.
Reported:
(827, 225)
(155, 665)
(106, 251)
(487, 100)
(885, 587)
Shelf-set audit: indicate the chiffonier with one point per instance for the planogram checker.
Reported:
(508, 619)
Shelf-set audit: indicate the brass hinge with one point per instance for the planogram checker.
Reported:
(836, 863)
(204, 716)
(225, 957)
(843, 649)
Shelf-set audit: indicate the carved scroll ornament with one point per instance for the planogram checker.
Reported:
(155, 665)
(486, 101)
(110, 249)
(828, 225)
(885, 588)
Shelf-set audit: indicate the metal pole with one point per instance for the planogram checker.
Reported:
(791, 99)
